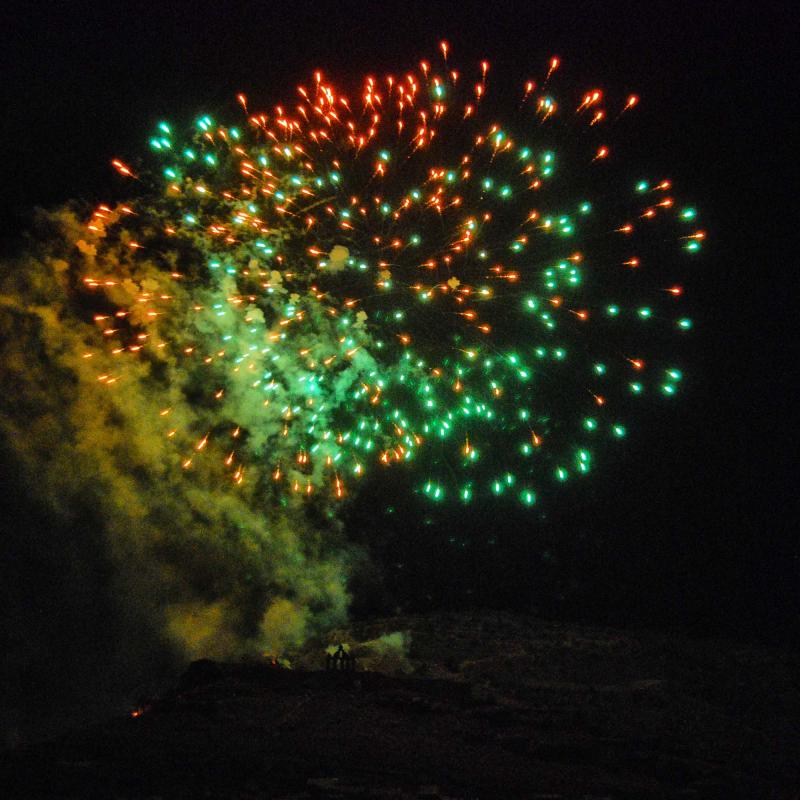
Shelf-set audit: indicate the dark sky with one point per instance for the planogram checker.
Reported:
(712, 514)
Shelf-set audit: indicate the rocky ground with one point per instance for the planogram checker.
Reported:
(462, 705)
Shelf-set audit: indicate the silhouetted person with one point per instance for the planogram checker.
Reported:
(341, 660)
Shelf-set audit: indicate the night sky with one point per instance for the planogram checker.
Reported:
(695, 527)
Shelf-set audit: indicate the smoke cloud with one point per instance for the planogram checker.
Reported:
(120, 560)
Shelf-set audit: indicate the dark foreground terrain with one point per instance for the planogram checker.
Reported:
(466, 706)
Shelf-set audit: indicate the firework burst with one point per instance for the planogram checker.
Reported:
(399, 280)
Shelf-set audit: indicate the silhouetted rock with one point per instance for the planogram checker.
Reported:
(537, 710)
(200, 673)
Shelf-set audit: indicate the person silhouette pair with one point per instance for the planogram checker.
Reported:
(340, 660)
